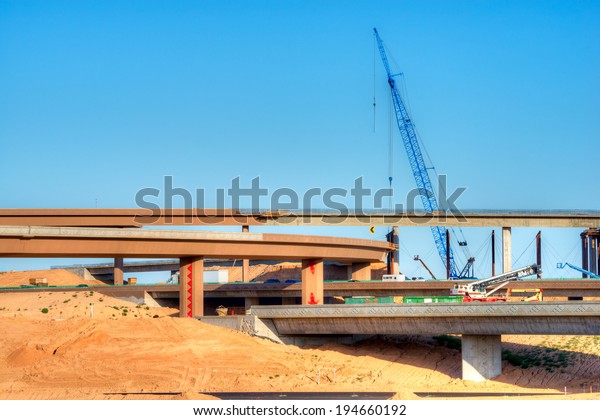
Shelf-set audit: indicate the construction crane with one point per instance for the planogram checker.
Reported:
(477, 290)
(417, 165)
(416, 258)
(581, 270)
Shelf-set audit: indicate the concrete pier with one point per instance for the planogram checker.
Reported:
(361, 271)
(506, 250)
(481, 357)
(191, 287)
(118, 271)
(312, 282)
(246, 262)
(250, 301)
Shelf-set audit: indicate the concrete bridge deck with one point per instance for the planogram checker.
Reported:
(551, 288)
(40, 241)
(542, 318)
(480, 324)
(138, 217)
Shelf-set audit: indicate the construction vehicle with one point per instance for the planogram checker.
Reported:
(421, 171)
(38, 281)
(416, 258)
(581, 270)
(477, 291)
(394, 277)
(537, 295)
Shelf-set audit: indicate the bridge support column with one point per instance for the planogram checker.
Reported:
(361, 271)
(118, 271)
(312, 282)
(249, 301)
(245, 261)
(191, 287)
(246, 271)
(481, 357)
(584, 254)
(593, 263)
(393, 257)
(506, 250)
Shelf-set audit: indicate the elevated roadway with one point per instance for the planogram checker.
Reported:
(228, 217)
(480, 324)
(541, 318)
(191, 248)
(32, 241)
(551, 288)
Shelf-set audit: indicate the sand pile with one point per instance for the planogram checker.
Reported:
(134, 351)
(55, 277)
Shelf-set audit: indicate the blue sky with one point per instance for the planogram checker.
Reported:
(99, 99)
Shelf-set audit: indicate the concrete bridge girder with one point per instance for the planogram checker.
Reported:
(481, 325)
(137, 217)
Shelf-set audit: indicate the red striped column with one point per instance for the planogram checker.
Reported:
(312, 282)
(191, 287)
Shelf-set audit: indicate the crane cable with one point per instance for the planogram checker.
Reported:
(577, 245)
(550, 251)
(519, 257)
(458, 238)
(374, 78)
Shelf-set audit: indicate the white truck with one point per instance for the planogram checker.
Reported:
(393, 277)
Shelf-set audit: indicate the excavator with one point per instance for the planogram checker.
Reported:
(477, 291)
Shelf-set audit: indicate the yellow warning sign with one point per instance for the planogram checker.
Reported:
(372, 229)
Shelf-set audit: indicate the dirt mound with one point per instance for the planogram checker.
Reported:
(132, 351)
(55, 277)
(27, 354)
(62, 305)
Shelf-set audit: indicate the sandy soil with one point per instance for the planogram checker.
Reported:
(133, 351)
(57, 277)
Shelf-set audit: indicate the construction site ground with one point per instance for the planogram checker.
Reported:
(50, 348)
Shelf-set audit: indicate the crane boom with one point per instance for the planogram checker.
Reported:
(478, 288)
(416, 258)
(415, 158)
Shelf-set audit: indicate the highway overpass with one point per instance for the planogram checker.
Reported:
(551, 288)
(228, 217)
(480, 324)
(191, 247)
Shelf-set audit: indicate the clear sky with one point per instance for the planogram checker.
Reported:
(99, 99)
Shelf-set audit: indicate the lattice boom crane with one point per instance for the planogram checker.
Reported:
(415, 158)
